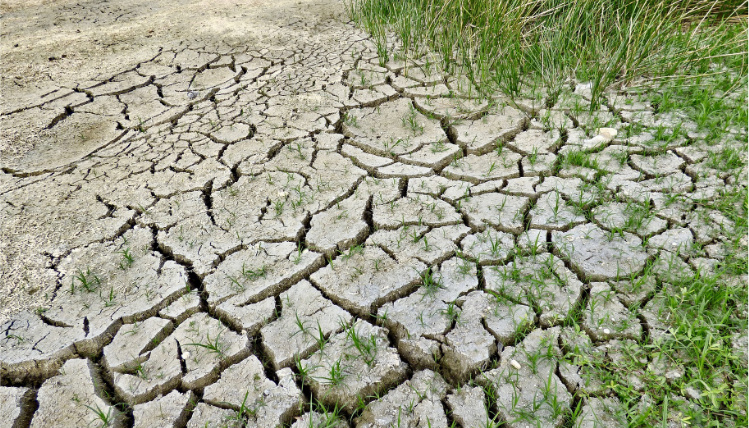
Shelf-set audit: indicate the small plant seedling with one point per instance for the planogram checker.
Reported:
(106, 419)
(235, 284)
(213, 345)
(412, 122)
(533, 156)
(336, 375)
(299, 253)
(367, 347)
(300, 325)
(452, 312)
(127, 258)
(350, 120)
(431, 283)
(253, 274)
(427, 248)
(140, 371)
(495, 245)
(465, 265)
(356, 249)
(438, 147)
(581, 159)
(109, 299)
(302, 371)
(15, 337)
(330, 418)
(278, 206)
(320, 337)
(88, 280)
(244, 410)
(300, 153)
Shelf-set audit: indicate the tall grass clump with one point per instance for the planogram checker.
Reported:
(507, 45)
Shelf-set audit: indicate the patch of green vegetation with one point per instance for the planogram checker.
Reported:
(104, 419)
(604, 42)
(580, 158)
(431, 283)
(367, 346)
(212, 345)
(88, 281)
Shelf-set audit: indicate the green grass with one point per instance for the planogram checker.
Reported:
(105, 419)
(328, 417)
(336, 374)
(367, 346)
(88, 281)
(701, 313)
(501, 44)
(431, 283)
(212, 345)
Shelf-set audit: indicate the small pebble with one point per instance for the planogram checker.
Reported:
(606, 331)
(605, 135)
(608, 133)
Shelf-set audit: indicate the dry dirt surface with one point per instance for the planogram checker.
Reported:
(230, 213)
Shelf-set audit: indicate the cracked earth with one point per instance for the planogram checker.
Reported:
(203, 218)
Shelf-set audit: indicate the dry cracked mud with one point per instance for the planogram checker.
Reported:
(222, 213)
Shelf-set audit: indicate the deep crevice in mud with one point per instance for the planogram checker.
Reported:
(111, 208)
(403, 187)
(29, 405)
(645, 328)
(257, 348)
(577, 403)
(53, 323)
(368, 213)
(451, 422)
(208, 200)
(62, 116)
(490, 401)
(196, 397)
(194, 282)
(307, 396)
(24, 174)
(104, 387)
(306, 226)
(182, 362)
